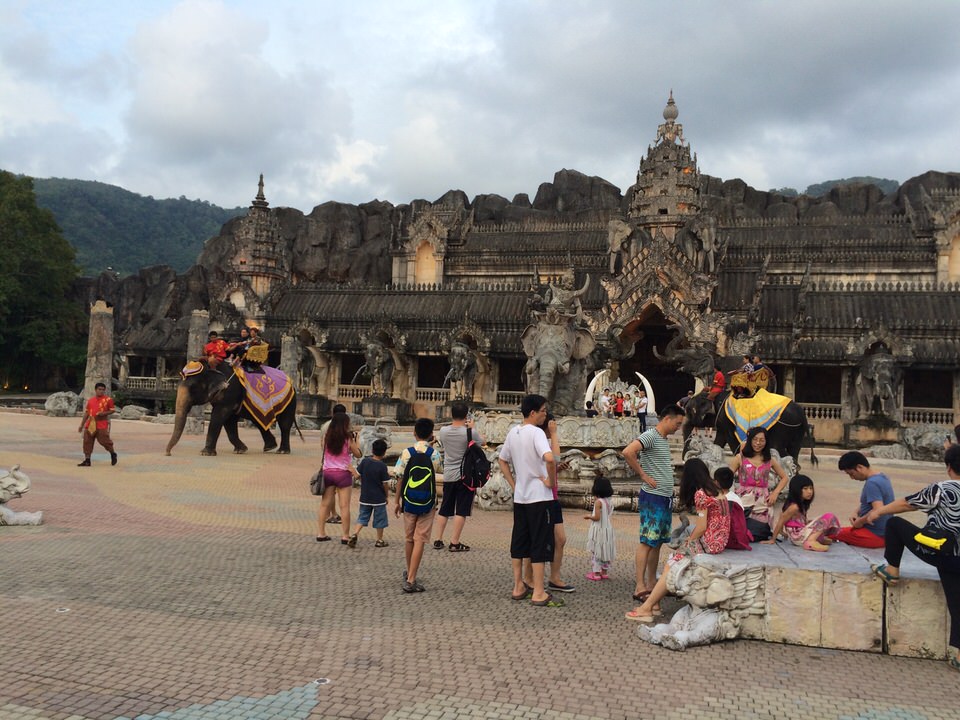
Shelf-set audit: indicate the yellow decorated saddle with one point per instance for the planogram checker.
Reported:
(762, 410)
(751, 382)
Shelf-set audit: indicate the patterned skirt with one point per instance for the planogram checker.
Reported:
(827, 524)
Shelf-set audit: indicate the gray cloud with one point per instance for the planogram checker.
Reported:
(400, 100)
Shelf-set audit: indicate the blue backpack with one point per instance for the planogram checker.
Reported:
(419, 490)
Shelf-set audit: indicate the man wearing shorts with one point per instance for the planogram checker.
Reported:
(457, 498)
(649, 457)
(532, 478)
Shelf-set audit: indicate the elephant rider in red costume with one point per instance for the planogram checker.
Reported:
(215, 350)
(719, 383)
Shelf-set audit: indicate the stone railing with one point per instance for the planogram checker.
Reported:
(928, 416)
(152, 383)
(507, 397)
(821, 411)
(432, 394)
(353, 392)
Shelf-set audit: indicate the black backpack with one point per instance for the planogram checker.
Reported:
(474, 467)
(419, 490)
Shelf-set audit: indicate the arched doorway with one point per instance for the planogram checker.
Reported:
(650, 329)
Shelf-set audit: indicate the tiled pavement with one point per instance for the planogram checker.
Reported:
(191, 588)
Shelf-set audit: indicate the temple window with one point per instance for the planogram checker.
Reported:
(928, 388)
(817, 384)
(349, 364)
(431, 370)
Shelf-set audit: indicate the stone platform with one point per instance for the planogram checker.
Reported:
(831, 600)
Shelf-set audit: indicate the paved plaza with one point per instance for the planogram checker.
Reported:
(191, 588)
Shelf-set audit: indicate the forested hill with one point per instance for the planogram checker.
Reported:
(112, 227)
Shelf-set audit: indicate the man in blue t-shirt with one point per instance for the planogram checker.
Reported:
(877, 492)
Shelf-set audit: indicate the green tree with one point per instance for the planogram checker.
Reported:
(41, 329)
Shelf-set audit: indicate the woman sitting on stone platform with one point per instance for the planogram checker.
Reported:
(699, 492)
(937, 544)
(752, 466)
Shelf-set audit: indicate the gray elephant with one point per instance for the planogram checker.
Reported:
(463, 371)
(379, 366)
(875, 387)
(550, 346)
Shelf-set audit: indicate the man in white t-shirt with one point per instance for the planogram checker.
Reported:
(532, 478)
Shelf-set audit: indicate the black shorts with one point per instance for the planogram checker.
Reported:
(457, 500)
(557, 513)
(532, 531)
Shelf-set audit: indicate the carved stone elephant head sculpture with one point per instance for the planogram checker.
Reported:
(549, 348)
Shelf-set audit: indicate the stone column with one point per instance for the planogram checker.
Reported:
(956, 395)
(790, 381)
(848, 411)
(99, 348)
(289, 357)
(197, 334)
(196, 339)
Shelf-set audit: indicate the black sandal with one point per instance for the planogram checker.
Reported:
(459, 547)
(323, 538)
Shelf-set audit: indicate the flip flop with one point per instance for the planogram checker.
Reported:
(642, 595)
(881, 572)
(522, 596)
(636, 617)
(953, 662)
(548, 601)
(323, 538)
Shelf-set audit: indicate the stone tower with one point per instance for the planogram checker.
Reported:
(668, 182)
(261, 259)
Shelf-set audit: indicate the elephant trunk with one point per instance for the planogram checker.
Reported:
(182, 408)
(548, 371)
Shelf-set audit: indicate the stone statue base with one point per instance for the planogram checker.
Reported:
(389, 408)
(862, 433)
(315, 406)
(443, 411)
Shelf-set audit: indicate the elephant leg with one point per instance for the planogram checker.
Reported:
(285, 423)
(213, 434)
(269, 441)
(230, 425)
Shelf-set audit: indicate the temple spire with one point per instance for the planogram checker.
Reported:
(261, 200)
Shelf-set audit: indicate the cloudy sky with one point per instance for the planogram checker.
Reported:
(403, 99)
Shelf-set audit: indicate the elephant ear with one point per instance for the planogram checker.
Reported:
(583, 344)
(529, 340)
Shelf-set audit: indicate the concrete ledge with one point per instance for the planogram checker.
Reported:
(831, 600)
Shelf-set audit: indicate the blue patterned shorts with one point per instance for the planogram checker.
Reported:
(656, 518)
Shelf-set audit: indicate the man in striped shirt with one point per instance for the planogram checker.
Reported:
(649, 457)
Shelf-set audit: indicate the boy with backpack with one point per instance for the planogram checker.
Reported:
(373, 494)
(459, 490)
(417, 471)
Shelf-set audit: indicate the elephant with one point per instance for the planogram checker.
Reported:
(694, 360)
(787, 436)
(875, 387)
(550, 347)
(379, 366)
(223, 390)
(463, 371)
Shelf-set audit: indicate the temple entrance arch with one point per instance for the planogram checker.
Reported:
(648, 330)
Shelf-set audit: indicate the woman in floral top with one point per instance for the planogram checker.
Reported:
(698, 492)
(941, 502)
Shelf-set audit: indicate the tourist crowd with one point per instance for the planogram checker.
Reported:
(731, 508)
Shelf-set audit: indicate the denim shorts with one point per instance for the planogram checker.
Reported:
(379, 513)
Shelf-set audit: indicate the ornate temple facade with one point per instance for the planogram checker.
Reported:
(853, 299)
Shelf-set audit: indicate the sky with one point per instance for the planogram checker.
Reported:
(404, 99)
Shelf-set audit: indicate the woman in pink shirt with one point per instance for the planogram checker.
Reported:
(339, 447)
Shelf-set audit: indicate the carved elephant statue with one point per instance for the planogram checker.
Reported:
(379, 367)
(549, 348)
(225, 393)
(875, 387)
(463, 371)
(694, 360)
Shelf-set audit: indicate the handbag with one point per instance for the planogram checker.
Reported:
(317, 483)
(933, 538)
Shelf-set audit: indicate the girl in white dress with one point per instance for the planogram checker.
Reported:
(601, 540)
